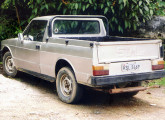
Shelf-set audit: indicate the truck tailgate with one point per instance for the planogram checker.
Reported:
(128, 51)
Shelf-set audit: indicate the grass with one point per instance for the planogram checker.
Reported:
(0, 62)
(160, 82)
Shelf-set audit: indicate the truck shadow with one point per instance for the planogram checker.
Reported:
(99, 98)
(90, 98)
(1, 69)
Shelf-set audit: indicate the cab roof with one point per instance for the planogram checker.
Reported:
(67, 16)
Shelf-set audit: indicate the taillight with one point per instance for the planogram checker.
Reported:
(158, 66)
(100, 70)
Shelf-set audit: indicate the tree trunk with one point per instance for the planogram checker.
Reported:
(16, 9)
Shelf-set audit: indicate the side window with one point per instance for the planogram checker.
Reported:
(35, 31)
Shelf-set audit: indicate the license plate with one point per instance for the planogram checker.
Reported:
(130, 67)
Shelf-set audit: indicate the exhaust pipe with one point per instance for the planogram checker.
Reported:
(128, 89)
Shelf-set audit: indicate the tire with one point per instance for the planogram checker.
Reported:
(8, 65)
(68, 90)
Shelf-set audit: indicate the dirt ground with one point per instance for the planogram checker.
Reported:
(29, 98)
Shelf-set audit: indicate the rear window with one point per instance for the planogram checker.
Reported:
(76, 27)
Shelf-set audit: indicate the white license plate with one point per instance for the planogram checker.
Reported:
(130, 67)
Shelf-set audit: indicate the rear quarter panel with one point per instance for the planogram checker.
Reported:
(77, 53)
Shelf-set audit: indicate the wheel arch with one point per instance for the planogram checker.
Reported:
(62, 62)
(6, 49)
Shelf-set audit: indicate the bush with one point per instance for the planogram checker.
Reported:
(9, 28)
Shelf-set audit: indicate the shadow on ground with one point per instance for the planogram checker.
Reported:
(0, 68)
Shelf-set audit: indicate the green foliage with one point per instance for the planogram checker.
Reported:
(159, 7)
(8, 28)
(123, 15)
(157, 82)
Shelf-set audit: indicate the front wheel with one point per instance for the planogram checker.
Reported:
(69, 91)
(8, 65)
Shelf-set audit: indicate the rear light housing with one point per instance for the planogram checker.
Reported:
(100, 70)
(158, 65)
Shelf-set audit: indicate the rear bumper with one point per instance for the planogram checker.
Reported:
(112, 80)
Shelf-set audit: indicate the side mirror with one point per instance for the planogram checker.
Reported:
(20, 36)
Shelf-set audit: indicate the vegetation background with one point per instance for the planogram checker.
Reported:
(124, 15)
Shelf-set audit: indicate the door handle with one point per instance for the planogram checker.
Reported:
(38, 47)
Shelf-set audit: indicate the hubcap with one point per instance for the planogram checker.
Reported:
(9, 64)
(66, 85)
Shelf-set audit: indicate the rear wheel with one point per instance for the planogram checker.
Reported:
(69, 91)
(8, 65)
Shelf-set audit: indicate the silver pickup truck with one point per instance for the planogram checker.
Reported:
(77, 51)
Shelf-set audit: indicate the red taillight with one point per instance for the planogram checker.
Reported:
(157, 67)
(100, 72)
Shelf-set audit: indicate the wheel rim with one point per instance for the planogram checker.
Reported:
(9, 64)
(66, 85)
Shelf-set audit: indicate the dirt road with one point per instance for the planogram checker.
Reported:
(28, 98)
